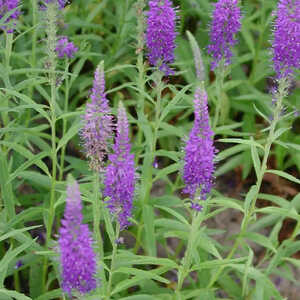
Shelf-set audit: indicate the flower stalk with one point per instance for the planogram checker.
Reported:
(51, 30)
(282, 92)
(113, 261)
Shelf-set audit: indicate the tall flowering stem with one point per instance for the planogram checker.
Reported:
(97, 131)
(280, 95)
(120, 173)
(67, 50)
(197, 174)
(161, 34)
(96, 135)
(283, 65)
(77, 257)
(120, 183)
(199, 151)
(286, 43)
(225, 25)
(51, 29)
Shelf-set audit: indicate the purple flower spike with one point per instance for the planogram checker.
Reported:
(5, 7)
(286, 43)
(225, 24)
(199, 151)
(160, 35)
(65, 48)
(97, 131)
(120, 174)
(78, 260)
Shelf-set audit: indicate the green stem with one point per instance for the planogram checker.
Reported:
(184, 269)
(219, 86)
(51, 43)
(97, 213)
(65, 123)
(149, 168)
(33, 54)
(96, 220)
(8, 50)
(113, 261)
(260, 176)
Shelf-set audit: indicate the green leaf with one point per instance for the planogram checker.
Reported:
(38, 107)
(279, 132)
(171, 224)
(275, 199)
(150, 241)
(170, 154)
(283, 212)
(29, 155)
(227, 202)
(167, 170)
(248, 37)
(54, 294)
(131, 259)
(295, 262)
(35, 160)
(172, 104)
(240, 141)
(14, 294)
(142, 274)
(125, 284)
(36, 280)
(230, 151)
(37, 178)
(255, 159)
(232, 84)
(138, 297)
(24, 216)
(229, 165)
(7, 195)
(108, 224)
(199, 293)
(261, 240)
(250, 197)
(204, 242)
(217, 263)
(73, 130)
(11, 254)
(16, 232)
(174, 213)
(284, 175)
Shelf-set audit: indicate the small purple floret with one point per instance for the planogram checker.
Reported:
(199, 151)
(61, 3)
(18, 264)
(77, 257)
(5, 7)
(98, 129)
(161, 34)
(225, 24)
(120, 173)
(196, 206)
(65, 48)
(286, 42)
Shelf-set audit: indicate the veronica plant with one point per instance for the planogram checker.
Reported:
(226, 22)
(77, 257)
(120, 183)
(283, 66)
